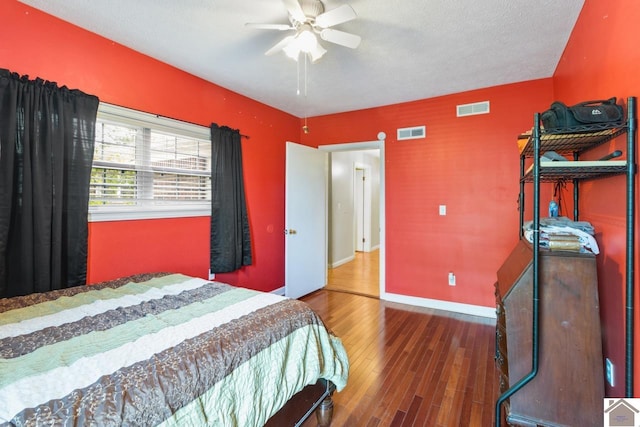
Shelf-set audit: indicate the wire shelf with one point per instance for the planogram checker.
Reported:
(574, 139)
(554, 171)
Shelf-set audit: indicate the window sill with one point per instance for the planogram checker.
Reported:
(155, 212)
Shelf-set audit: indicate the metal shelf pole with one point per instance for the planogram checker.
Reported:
(521, 197)
(535, 351)
(631, 171)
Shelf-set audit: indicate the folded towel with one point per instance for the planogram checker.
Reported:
(553, 229)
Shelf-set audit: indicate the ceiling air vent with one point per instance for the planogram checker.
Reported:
(473, 109)
(411, 133)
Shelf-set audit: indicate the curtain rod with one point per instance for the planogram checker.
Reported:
(164, 117)
(241, 135)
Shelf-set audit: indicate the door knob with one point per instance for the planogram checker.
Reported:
(290, 231)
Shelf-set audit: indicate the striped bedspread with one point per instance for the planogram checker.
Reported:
(170, 351)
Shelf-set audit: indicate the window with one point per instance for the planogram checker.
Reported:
(146, 166)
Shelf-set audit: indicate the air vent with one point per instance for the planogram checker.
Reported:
(473, 109)
(411, 133)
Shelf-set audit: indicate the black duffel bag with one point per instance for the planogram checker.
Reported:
(584, 113)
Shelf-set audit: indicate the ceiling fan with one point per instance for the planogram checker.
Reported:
(308, 18)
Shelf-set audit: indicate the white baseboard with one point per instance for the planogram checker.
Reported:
(279, 291)
(343, 261)
(473, 310)
(456, 307)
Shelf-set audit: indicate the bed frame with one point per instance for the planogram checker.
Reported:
(316, 397)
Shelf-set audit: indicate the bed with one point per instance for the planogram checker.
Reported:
(163, 350)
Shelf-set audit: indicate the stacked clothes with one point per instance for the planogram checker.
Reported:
(562, 234)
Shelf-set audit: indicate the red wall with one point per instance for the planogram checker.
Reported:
(39, 45)
(469, 164)
(595, 68)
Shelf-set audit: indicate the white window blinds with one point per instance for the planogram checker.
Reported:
(148, 166)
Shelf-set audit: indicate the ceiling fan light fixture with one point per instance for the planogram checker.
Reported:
(317, 52)
(292, 50)
(307, 42)
(306, 39)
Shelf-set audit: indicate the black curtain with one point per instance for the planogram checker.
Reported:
(230, 235)
(46, 150)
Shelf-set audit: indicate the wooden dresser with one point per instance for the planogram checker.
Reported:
(569, 387)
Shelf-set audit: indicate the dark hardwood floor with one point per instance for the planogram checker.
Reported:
(410, 366)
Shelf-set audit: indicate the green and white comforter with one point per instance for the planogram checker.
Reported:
(170, 351)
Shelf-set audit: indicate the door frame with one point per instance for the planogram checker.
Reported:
(368, 145)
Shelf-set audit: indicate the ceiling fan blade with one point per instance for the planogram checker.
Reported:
(280, 45)
(336, 16)
(295, 10)
(280, 27)
(340, 37)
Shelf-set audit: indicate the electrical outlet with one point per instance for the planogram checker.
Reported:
(452, 279)
(609, 371)
(442, 210)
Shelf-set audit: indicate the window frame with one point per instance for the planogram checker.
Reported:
(128, 117)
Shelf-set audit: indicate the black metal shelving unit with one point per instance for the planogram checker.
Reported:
(576, 141)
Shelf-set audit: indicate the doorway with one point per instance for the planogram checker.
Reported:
(356, 217)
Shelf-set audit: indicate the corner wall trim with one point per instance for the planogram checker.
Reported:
(473, 310)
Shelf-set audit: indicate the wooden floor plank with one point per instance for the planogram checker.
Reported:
(360, 276)
(416, 402)
(409, 366)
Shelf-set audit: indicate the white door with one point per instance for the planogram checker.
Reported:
(305, 220)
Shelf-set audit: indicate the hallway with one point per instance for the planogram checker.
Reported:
(360, 276)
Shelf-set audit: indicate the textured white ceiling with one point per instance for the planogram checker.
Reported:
(411, 49)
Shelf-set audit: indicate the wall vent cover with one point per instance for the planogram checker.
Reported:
(412, 133)
(472, 109)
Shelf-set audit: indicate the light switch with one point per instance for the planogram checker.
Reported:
(443, 210)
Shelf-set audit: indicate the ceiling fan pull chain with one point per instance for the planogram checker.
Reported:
(306, 59)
